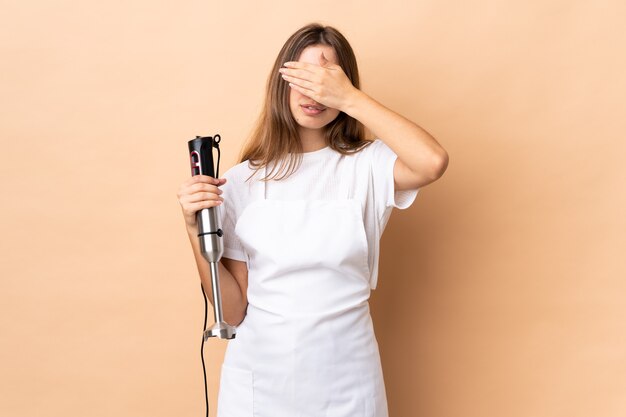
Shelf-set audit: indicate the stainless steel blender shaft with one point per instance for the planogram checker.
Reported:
(210, 235)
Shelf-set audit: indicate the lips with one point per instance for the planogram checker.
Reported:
(312, 110)
(313, 107)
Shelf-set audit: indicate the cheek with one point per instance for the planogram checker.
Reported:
(332, 115)
(293, 98)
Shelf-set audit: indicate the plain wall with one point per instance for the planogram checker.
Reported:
(501, 290)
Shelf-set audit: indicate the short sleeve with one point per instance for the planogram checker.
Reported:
(382, 199)
(383, 160)
(229, 212)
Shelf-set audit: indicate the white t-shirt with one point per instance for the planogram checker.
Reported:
(370, 171)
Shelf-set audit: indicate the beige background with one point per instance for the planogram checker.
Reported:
(501, 289)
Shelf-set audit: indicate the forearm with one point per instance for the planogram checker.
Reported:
(413, 145)
(233, 308)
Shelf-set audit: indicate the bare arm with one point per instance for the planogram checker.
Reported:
(233, 277)
(421, 160)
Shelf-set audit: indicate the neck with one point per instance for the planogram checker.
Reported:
(312, 139)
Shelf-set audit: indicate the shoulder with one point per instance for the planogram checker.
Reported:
(372, 147)
(380, 152)
(239, 187)
(378, 145)
(372, 151)
(239, 172)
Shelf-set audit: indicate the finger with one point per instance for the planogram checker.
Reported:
(194, 207)
(299, 81)
(201, 186)
(334, 67)
(306, 92)
(199, 182)
(189, 200)
(202, 196)
(201, 178)
(323, 60)
(301, 65)
(207, 179)
(300, 73)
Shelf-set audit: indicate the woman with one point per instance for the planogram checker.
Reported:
(301, 251)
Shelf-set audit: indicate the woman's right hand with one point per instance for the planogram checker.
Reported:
(199, 192)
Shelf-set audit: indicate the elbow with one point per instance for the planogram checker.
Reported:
(234, 318)
(440, 164)
(240, 318)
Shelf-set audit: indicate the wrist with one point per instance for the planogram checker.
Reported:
(353, 101)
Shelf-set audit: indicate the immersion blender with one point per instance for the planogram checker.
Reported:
(211, 245)
(209, 231)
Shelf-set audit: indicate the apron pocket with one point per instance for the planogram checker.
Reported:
(235, 393)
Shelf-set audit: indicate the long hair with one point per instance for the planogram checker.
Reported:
(275, 134)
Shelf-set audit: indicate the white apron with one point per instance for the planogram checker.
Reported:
(306, 347)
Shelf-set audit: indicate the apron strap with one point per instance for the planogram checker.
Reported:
(347, 181)
(263, 185)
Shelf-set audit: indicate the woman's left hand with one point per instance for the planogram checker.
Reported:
(325, 83)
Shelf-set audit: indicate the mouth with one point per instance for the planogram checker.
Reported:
(312, 110)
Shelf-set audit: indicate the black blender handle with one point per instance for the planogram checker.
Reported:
(201, 155)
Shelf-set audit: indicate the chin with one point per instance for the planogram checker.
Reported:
(307, 123)
(315, 125)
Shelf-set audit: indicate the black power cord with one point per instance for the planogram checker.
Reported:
(206, 389)
(216, 141)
